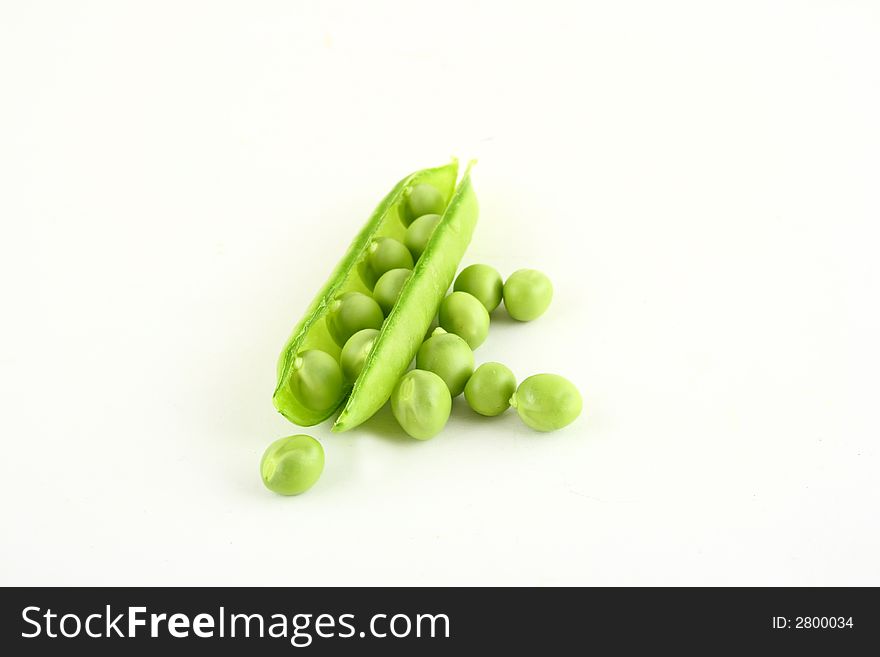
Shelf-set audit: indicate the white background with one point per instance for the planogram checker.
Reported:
(699, 180)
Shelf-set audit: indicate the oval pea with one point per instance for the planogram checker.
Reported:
(490, 388)
(483, 282)
(383, 255)
(350, 313)
(420, 200)
(355, 352)
(421, 403)
(419, 232)
(527, 294)
(388, 288)
(466, 316)
(316, 380)
(292, 465)
(547, 402)
(449, 357)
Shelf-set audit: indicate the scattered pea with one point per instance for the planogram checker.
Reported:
(449, 357)
(388, 288)
(316, 380)
(355, 352)
(420, 200)
(527, 294)
(483, 282)
(292, 465)
(466, 316)
(421, 404)
(547, 402)
(383, 255)
(490, 388)
(350, 313)
(419, 232)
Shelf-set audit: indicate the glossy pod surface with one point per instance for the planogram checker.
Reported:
(405, 326)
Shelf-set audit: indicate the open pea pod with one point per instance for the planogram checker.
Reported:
(405, 327)
(406, 324)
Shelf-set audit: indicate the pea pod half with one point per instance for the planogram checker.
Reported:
(406, 324)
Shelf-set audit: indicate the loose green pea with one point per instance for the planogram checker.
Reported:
(316, 380)
(350, 313)
(388, 288)
(355, 352)
(466, 316)
(490, 388)
(547, 402)
(292, 465)
(421, 404)
(527, 294)
(449, 357)
(419, 232)
(420, 200)
(383, 255)
(483, 282)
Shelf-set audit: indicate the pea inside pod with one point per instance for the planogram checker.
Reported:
(355, 352)
(352, 312)
(419, 233)
(388, 288)
(420, 200)
(383, 255)
(316, 380)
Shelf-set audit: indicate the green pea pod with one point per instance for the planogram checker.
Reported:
(407, 322)
(406, 325)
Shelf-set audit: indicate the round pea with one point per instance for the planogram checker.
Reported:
(421, 404)
(547, 402)
(419, 232)
(292, 465)
(316, 380)
(350, 313)
(449, 357)
(482, 282)
(527, 294)
(420, 200)
(388, 288)
(383, 254)
(490, 388)
(355, 352)
(464, 315)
